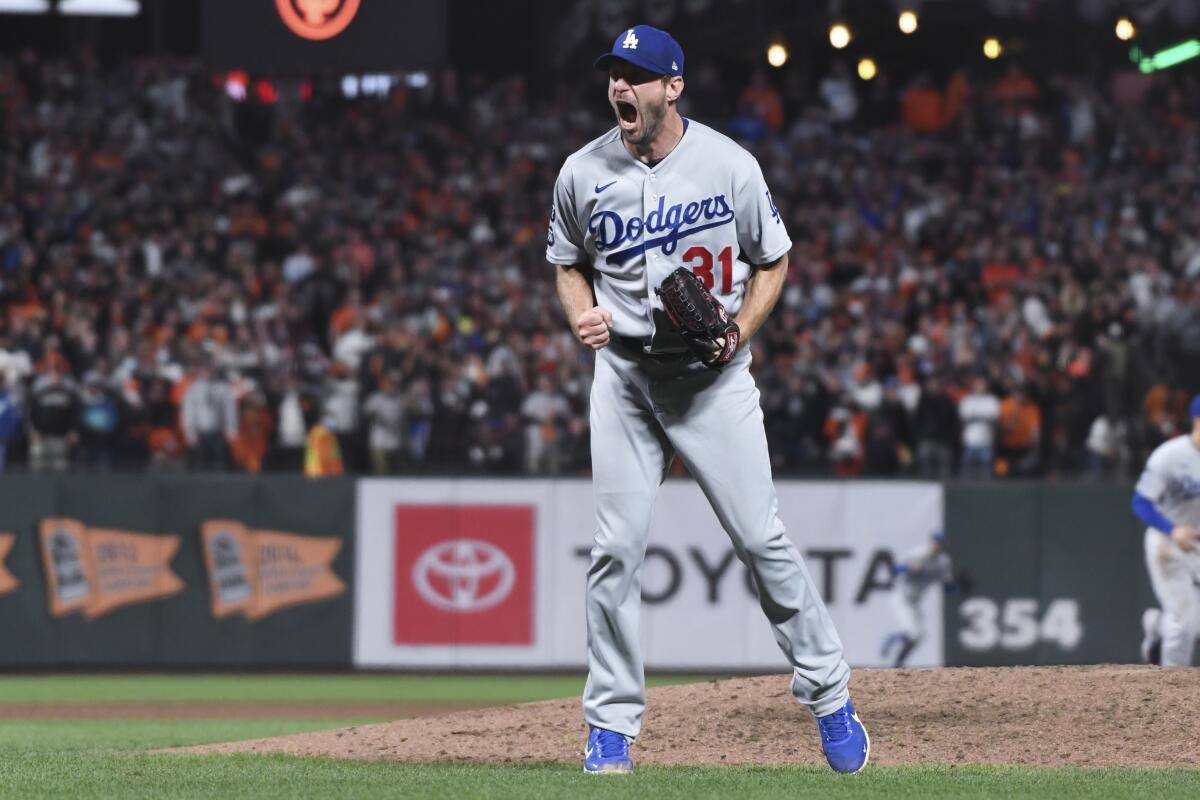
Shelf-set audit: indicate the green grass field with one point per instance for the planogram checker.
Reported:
(111, 758)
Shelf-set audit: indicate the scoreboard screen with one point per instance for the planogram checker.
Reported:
(289, 36)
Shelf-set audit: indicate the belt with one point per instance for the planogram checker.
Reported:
(638, 347)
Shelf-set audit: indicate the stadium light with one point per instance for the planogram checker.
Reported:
(777, 55)
(100, 8)
(1163, 59)
(1125, 30)
(992, 48)
(866, 69)
(907, 21)
(839, 35)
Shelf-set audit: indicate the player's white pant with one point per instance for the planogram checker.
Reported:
(641, 411)
(1173, 574)
(908, 615)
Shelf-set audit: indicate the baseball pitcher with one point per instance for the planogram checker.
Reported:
(669, 254)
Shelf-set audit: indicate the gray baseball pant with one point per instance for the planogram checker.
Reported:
(642, 411)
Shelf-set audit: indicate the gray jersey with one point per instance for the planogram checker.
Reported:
(1171, 480)
(923, 569)
(705, 206)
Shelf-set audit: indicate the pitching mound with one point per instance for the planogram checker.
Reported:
(1103, 716)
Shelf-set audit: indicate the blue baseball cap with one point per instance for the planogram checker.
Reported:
(938, 536)
(645, 47)
(1195, 407)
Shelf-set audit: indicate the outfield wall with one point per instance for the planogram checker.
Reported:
(483, 574)
(175, 571)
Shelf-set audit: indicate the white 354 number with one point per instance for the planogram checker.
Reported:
(1014, 624)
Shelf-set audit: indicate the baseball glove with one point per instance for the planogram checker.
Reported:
(699, 317)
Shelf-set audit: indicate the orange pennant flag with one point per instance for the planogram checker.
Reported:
(67, 561)
(292, 569)
(130, 568)
(8, 581)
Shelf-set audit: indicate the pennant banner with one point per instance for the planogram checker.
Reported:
(259, 572)
(8, 581)
(97, 570)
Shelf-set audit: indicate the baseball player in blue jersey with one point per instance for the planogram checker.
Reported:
(1167, 499)
(656, 193)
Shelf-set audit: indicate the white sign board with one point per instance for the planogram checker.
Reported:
(478, 573)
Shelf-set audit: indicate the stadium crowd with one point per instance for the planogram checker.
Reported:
(992, 275)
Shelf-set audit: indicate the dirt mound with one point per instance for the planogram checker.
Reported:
(1032, 716)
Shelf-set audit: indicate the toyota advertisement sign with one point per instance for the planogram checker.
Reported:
(490, 574)
(464, 574)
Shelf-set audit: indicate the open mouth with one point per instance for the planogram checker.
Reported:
(627, 113)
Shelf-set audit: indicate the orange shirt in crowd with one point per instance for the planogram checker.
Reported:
(323, 457)
(1020, 423)
(999, 280)
(1014, 91)
(921, 109)
(767, 105)
(253, 437)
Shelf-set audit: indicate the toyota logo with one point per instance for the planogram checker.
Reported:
(464, 575)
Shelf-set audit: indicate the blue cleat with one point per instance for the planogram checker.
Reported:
(844, 740)
(607, 752)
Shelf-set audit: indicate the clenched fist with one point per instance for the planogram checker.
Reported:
(1185, 537)
(591, 327)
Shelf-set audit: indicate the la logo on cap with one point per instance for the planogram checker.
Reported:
(631, 41)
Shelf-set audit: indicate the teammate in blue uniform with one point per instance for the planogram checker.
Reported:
(1167, 499)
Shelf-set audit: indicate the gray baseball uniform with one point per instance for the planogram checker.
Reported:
(1171, 480)
(705, 206)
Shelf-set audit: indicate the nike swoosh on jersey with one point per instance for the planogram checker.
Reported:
(600, 188)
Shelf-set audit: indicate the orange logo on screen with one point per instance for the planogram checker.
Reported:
(317, 19)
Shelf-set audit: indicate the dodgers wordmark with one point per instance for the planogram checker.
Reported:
(654, 194)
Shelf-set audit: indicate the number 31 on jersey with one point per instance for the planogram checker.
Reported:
(699, 260)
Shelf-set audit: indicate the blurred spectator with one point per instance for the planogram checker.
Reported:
(209, 420)
(10, 418)
(979, 411)
(323, 456)
(1101, 448)
(340, 412)
(845, 430)
(99, 424)
(761, 99)
(53, 418)
(921, 107)
(544, 410)
(1020, 429)
(293, 428)
(384, 415)
(936, 431)
(253, 439)
(838, 91)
